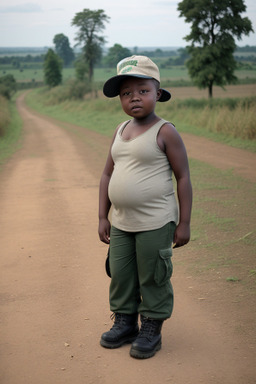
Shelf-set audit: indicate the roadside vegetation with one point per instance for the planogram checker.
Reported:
(5, 116)
(67, 82)
(230, 121)
(10, 129)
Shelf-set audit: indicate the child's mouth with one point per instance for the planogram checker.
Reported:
(136, 108)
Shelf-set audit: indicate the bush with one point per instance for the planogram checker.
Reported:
(78, 89)
(70, 90)
(5, 117)
(8, 86)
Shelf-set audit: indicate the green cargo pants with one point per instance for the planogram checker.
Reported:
(141, 268)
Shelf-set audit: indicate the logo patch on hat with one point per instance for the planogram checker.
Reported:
(126, 63)
(125, 70)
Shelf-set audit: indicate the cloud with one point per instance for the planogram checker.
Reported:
(22, 8)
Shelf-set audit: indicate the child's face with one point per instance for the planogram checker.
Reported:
(139, 96)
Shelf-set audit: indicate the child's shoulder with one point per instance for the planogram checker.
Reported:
(167, 122)
(169, 134)
(168, 128)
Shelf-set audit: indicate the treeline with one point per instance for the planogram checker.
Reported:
(247, 48)
(245, 54)
(173, 57)
(246, 59)
(16, 61)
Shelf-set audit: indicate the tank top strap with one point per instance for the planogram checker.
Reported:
(156, 127)
(122, 126)
(159, 124)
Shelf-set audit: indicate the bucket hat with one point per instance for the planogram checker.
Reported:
(134, 66)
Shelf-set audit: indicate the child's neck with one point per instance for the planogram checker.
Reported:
(136, 127)
(147, 120)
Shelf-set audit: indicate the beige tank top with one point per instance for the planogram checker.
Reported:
(141, 188)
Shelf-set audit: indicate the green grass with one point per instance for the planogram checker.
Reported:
(102, 74)
(11, 140)
(223, 237)
(230, 121)
(103, 115)
(97, 114)
(233, 279)
(28, 75)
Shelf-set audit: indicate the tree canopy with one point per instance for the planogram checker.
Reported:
(52, 69)
(90, 25)
(115, 54)
(63, 49)
(215, 24)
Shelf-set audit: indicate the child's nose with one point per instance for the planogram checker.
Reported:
(135, 96)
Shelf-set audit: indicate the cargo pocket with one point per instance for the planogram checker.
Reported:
(163, 271)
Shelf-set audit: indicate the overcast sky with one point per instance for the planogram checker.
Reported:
(132, 23)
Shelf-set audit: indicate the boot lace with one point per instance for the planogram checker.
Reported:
(118, 319)
(148, 328)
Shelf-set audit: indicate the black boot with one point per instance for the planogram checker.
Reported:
(124, 330)
(149, 340)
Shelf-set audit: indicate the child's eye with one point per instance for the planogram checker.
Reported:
(143, 91)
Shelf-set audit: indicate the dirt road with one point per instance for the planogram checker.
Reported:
(54, 290)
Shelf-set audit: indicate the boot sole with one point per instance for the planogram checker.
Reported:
(137, 354)
(119, 343)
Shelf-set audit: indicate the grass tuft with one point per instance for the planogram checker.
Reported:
(233, 279)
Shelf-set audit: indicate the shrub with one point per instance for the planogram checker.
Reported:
(8, 86)
(70, 90)
(5, 117)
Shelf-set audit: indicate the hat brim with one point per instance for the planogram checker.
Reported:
(112, 86)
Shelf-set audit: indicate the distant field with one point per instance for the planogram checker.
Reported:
(28, 75)
(246, 90)
(230, 91)
(102, 74)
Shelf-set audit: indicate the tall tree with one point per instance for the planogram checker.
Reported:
(52, 69)
(63, 49)
(90, 24)
(215, 24)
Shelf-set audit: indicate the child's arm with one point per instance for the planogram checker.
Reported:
(177, 156)
(104, 202)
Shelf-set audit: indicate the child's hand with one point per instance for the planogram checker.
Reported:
(181, 235)
(104, 230)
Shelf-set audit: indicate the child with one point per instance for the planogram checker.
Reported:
(137, 181)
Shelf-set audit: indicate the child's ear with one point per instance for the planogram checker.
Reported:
(159, 93)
